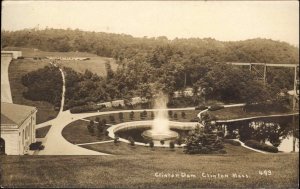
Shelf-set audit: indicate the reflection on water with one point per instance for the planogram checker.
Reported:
(275, 131)
(286, 144)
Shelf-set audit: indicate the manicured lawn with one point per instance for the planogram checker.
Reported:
(238, 112)
(42, 132)
(138, 171)
(77, 132)
(96, 64)
(122, 148)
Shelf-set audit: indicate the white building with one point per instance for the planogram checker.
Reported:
(185, 93)
(117, 103)
(106, 104)
(17, 128)
(15, 54)
(136, 100)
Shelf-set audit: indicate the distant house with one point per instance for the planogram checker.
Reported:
(136, 100)
(117, 103)
(187, 92)
(106, 104)
(17, 128)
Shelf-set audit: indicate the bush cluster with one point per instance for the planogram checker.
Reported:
(261, 146)
(215, 107)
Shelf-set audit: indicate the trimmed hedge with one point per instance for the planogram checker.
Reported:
(215, 107)
(232, 142)
(85, 108)
(260, 146)
(201, 107)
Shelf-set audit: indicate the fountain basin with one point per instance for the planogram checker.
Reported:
(151, 135)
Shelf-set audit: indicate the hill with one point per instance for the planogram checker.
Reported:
(120, 46)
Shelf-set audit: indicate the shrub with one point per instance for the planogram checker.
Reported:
(152, 115)
(261, 146)
(172, 145)
(145, 113)
(175, 116)
(162, 142)
(142, 115)
(104, 122)
(183, 115)
(116, 140)
(179, 142)
(170, 112)
(130, 139)
(112, 118)
(21, 57)
(131, 115)
(232, 142)
(121, 115)
(215, 107)
(151, 144)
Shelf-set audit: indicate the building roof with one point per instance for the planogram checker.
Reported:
(15, 114)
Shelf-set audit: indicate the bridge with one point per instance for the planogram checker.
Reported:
(260, 70)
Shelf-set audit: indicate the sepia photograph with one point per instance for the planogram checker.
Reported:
(149, 94)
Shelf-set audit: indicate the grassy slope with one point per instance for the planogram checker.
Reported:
(138, 171)
(96, 63)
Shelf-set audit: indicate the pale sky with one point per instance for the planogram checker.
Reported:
(225, 21)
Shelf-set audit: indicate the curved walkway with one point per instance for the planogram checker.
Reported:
(56, 144)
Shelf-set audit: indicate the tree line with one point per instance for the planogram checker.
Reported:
(147, 65)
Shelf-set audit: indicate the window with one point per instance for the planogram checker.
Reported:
(23, 137)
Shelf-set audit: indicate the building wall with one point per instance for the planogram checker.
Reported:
(17, 140)
(11, 139)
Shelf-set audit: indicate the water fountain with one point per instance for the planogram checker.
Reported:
(160, 130)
